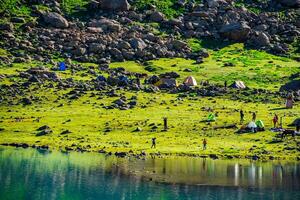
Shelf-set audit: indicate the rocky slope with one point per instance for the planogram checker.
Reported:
(115, 30)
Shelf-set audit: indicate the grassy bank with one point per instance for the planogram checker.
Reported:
(92, 127)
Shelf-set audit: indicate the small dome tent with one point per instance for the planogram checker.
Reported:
(190, 81)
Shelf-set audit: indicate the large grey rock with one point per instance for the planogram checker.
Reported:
(106, 24)
(115, 5)
(55, 20)
(179, 45)
(157, 16)
(137, 43)
(7, 27)
(236, 31)
(291, 86)
(262, 39)
(290, 3)
(96, 47)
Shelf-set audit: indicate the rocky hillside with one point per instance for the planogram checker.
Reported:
(117, 30)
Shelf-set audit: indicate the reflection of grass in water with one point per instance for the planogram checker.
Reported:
(171, 169)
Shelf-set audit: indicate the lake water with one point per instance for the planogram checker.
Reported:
(39, 174)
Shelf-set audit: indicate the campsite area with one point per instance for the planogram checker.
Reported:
(82, 108)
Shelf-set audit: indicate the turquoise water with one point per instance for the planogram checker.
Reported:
(37, 174)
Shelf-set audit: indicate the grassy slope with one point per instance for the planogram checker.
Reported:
(89, 120)
(255, 68)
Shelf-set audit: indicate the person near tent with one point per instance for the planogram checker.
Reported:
(204, 142)
(242, 115)
(153, 143)
(254, 116)
(275, 120)
(289, 101)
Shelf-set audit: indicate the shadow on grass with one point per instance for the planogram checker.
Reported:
(214, 44)
(282, 108)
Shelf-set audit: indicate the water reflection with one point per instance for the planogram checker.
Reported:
(30, 174)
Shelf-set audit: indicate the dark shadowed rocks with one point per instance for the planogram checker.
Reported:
(290, 3)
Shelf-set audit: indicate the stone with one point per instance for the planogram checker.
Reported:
(7, 27)
(106, 24)
(290, 3)
(26, 101)
(96, 48)
(137, 43)
(55, 20)
(262, 39)
(236, 31)
(157, 16)
(179, 45)
(115, 5)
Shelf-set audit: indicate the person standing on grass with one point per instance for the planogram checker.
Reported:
(153, 143)
(275, 120)
(242, 115)
(204, 144)
(253, 116)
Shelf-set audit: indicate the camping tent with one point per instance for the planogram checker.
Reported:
(166, 82)
(62, 66)
(259, 124)
(238, 85)
(190, 81)
(252, 125)
(211, 117)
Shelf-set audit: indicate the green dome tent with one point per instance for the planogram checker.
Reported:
(211, 117)
(259, 124)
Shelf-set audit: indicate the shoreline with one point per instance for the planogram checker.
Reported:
(144, 155)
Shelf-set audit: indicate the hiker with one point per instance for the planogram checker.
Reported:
(225, 84)
(289, 101)
(253, 116)
(242, 115)
(275, 120)
(204, 144)
(153, 143)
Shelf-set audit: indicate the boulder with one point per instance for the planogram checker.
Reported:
(55, 20)
(137, 43)
(106, 24)
(262, 40)
(115, 5)
(178, 45)
(7, 27)
(157, 17)
(95, 48)
(290, 3)
(236, 31)
(291, 86)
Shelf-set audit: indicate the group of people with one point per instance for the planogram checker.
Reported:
(275, 121)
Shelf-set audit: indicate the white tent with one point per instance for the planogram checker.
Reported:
(252, 125)
(238, 85)
(190, 81)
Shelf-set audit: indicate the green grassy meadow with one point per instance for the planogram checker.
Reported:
(95, 128)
